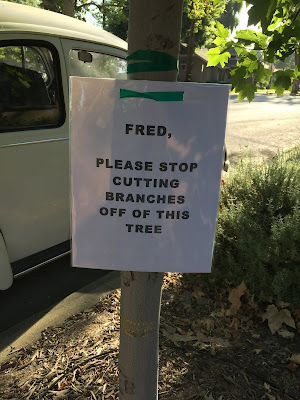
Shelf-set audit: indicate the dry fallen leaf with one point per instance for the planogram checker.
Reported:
(204, 324)
(235, 323)
(297, 313)
(198, 292)
(61, 394)
(235, 296)
(270, 397)
(277, 318)
(295, 358)
(212, 339)
(292, 367)
(283, 304)
(285, 333)
(176, 337)
(210, 397)
(256, 351)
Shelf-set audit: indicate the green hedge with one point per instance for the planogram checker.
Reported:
(258, 228)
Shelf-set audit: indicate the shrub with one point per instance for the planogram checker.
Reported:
(258, 228)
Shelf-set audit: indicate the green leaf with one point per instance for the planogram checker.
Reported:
(240, 50)
(227, 46)
(261, 12)
(238, 76)
(252, 55)
(262, 73)
(219, 41)
(222, 31)
(246, 34)
(248, 90)
(213, 51)
(250, 65)
(248, 37)
(215, 59)
(283, 81)
(224, 57)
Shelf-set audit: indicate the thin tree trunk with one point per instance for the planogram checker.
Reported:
(139, 337)
(50, 5)
(296, 82)
(190, 52)
(153, 25)
(104, 15)
(68, 7)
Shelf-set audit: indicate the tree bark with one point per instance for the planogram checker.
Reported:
(68, 7)
(50, 5)
(190, 52)
(153, 25)
(296, 82)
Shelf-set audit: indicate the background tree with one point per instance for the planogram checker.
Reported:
(72, 8)
(198, 25)
(229, 17)
(32, 3)
(280, 37)
(114, 17)
(115, 20)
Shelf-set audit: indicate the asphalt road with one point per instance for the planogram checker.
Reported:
(262, 127)
(43, 288)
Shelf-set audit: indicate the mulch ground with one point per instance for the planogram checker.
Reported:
(213, 346)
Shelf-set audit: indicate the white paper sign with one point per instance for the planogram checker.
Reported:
(145, 175)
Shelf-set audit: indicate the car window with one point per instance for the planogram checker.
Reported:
(30, 87)
(96, 65)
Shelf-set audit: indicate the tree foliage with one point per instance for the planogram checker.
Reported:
(229, 17)
(114, 17)
(32, 3)
(280, 37)
(199, 16)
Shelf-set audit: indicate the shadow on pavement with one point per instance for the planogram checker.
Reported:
(261, 98)
(41, 289)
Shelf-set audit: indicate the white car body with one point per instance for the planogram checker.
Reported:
(34, 151)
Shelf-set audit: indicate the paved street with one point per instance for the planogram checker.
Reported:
(265, 125)
(41, 289)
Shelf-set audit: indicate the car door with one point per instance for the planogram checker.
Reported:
(34, 178)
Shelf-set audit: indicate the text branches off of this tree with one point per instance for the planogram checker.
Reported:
(145, 169)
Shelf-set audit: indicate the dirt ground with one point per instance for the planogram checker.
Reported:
(214, 345)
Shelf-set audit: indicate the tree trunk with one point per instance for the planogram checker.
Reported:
(104, 15)
(190, 52)
(50, 5)
(296, 82)
(139, 336)
(68, 7)
(153, 25)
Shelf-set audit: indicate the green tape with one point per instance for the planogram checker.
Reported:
(151, 61)
(157, 96)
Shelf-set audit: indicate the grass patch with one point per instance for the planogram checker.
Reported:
(271, 91)
(258, 229)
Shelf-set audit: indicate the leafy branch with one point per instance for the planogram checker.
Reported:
(280, 37)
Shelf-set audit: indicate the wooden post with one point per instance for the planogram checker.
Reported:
(153, 25)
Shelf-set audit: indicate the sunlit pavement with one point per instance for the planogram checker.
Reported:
(262, 127)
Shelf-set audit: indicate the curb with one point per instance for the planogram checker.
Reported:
(29, 331)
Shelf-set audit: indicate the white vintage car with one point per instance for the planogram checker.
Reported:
(39, 51)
